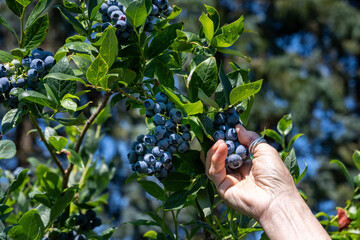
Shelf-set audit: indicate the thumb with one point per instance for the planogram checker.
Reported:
(246, 137)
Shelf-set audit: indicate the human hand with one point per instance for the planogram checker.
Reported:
(258, 184)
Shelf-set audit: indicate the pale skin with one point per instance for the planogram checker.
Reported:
(264, 190)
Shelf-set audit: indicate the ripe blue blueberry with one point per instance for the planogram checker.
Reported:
(167, 11)
(103, 9)
(220, 119)
(175, 139)
(170, 126)
(162, 3)
(38, 65)
(233, 119)
(172, 149)
(161, 97)
(32, 85)
(224, 127)
(140, 138)
(112, 9)
(140, 149)
(149, 113)
(162, 174)
(185, 128)
(150, 140)
(132, 156)
(112, 3)
(170, 105)
(141, 166)
(4, 82)
(2, 71)
(20, 82)
(105, 25)
(184, 147)
(155, 10)
(186, 136)
(160, 107)
(231, 146)
(164, 143)
(158, 119)
(176, 115)
(158, 166)
(157, 151)
(149, 27)
(237, 143)
(231, 134)
(230, 111)
(123, 36)
(49, 62)
(91, 214)
(219, 135)
(38, 53)
(150, 170)
(133, 145)
(115, 16)
(105, 18)
(63, 236)
(166, 158)
(80, 237)
(96, 222)
(26, 61)
(160, 132)
(149, 159)
(32, 75)
(242, 152)
(233, 161)
(121, 25)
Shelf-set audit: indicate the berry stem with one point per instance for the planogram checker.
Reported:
(129, 96)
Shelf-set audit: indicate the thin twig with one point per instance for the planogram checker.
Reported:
(51, 151)
(128, 95)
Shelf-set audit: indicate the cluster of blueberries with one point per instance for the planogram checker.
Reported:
(225, 123)
(113, 14)
(153, 153)
(85, 222)
(24, 74)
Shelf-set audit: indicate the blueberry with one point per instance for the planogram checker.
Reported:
(219, 135)
(20, 82)
(149, 113)
(169, 106)
(231, 134)
(12, 96)
(2, 71)
(185, 128)
(160, 107)
(96, 222)
(172, 149)
(167, 11)
(160, 132)
(158, 166)
(150, 170)
(156, 2)
(140, 138)
(49, 62)
(80, 237)
(26, 61)
(112, 3)
(4, 82)
(115, 15)
(233, 161)
(32, 75)
(112, 8)
(63, 236)
(230, 111)
(121, 25)
(184, 147)
(48, 53)
(186, 136)
(170, 126)
(141, 167)
(150, 140)
(149, 104)
(161, 97)
(149, 159)
(162, 174)
(149, 27)
(38, 65)
(140, 158)
(157, 151)
(123, 36)
(158, 119)
(71, 235)
(176, 115)
(220, 118)
(105, 18)
(166, 158)
(81, 219)
(149, 149)
(103, 9)
(224, 127)
(233, 119)
(150, 17)
(236, 143)
(32, 85)
(45, 238)
(133, 145)
(242, 152)
(231, 146)
(155, 10)
(164, 143)
(175, 139)
(140, 149)
(162, 3)
(38, 53)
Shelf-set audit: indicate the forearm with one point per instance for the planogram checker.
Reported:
(291, 218)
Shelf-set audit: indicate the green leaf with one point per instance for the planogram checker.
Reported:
(176, 181)
(11, 119)
(150, 234)
(143, 222)
(204, 202)
(291, 163)
(176, 200)
(75, 158)
(64, 77)
(73, 21)
(204, 77)
(356, 158)
(246, 115)
(24, 3)
(203, 97)
(293, 139)
(81, 62)
(226, 85)
(20, 179)
(5, 57)
(15, 232)
(6, 24)
(176, 12)
(227, 35)
(15, 7)
(38, 98)
(69, 104)
(274, 135)
(61, 204)
(207, 26)
(7, 149)
(302, 175)
(93, 9)
(213, 14)
(284, 126)
(163, 40)
(5, 211)
(97, 70)
(58, 142)
(357, 180)
(345, 172)
(37, 11)
(80, 119)
(109, 46)
(44, 212)
(242, 92)
(235, 53)
(163, 73)
(33, 227)
(153, 189)
(136, 13)
(71, 7)
(35, 34)
(193, 108)
(52, 184)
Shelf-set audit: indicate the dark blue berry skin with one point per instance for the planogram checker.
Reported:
(150, 170)
(81, 219)
(162, 174)
(49, 62)
(160, 107)
(231, 134)
(184, 147)
(141, 166)
(63, 236)
(71, 235)
(170, 126)
(175, 139)
(38, 53)
(112, 3)
(121, 25)
(233, 119)
(169, 106)
(140, 138)
(231, 146)
(112, 9)
(32, 85)
(158, 119)
(32, 75)
(96, 222)
(26, 61)
(224, 127)
(166, 158)
(157, 151)
(20, 82)
(133, 145)
(172, 149)
(219, 135)
(80, 237)
(186, 136)
(45, 238)
(123, 36)
(115, 16)
(167, 11)
(158, 166)
(2, 71)
(149, 27)
(230, 111)
(220, 119)
(176, 115)
(161, 97)
(106, 19)
(155, 10)
(150, 140)
(140, 149)
(38, 65)
(149, 159)
(233, 161)
(4, 82)
(149, 113)
(160, 132)
(237, 143)
(103, 9)
(164, 143)
(185, 128)
(242, 152)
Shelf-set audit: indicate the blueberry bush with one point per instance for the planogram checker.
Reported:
(133, 51)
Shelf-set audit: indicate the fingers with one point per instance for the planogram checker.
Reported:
(215, 162)
(245, 137)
